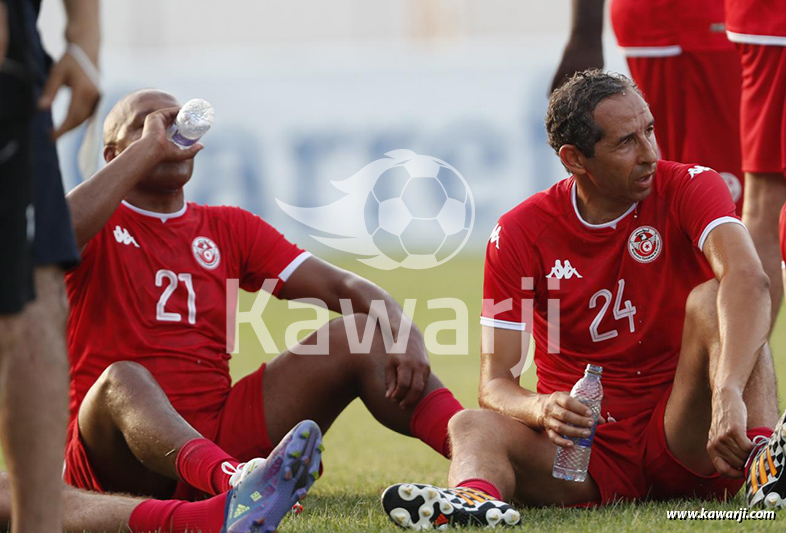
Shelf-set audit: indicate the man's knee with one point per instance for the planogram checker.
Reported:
(471, 422)
(349, 335)
(701, 308)
(122, 376)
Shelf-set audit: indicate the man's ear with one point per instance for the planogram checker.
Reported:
(110, 152)
(573, 159)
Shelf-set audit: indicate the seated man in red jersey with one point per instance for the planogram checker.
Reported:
(690, 74)
(657, 282)
(153, 410)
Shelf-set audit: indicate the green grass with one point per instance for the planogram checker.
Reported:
(362, 458)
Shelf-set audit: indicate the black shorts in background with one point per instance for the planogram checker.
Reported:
(55, 243)
(16, 188)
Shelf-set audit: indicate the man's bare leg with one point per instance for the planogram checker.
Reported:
(514, 457)
(34, 409)
(132, 433)
(689, 410)
(765, 195)
(334, 380)
(82, 510)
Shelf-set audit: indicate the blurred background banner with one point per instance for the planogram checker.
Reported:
(306, 92)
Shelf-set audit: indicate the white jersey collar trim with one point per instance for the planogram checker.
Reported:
(612, 224)
(163, 217)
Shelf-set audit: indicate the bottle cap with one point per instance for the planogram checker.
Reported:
(594, 369)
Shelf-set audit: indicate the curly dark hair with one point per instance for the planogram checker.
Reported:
(569, 115)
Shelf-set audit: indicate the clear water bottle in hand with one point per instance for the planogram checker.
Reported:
(192, 122)
(571, 462)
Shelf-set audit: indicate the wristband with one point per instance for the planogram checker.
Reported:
(87, 66)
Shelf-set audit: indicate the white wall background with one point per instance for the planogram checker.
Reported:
(306, 91)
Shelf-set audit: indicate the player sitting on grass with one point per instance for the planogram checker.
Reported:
(659, 283)
(152, 405)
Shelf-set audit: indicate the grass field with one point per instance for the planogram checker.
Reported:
(362, 458)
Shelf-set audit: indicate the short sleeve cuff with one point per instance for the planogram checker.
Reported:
(291, 267)
(714, 224)
(502, 324)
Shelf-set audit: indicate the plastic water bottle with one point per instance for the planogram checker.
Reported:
(192, 122)
(571, 462)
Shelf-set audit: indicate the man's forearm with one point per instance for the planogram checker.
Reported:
(84, 26)
(508, 398)
(93, 201)
(743, 329)
(587, 19)
(363, 293)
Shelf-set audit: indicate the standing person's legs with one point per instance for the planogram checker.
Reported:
(765, 194)
(695, 99)
(35, 399)
(763, 135)
(32, 382)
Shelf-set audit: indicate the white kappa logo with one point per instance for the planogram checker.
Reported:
(123, 237)
(645, 244)
(494, 239)
(698, 169)
(206, 252)
(565, 271)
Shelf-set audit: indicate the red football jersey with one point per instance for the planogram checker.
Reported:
(756, 21)
(152, 289)
(660, 28)
(620, 287)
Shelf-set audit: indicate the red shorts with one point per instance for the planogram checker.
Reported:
(631, 461)
(695, 99)
(763, 111)
(239, 428)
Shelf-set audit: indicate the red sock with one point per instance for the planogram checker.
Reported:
(199, 463)
(759, 431)
(430, 420)
(174, 516)
(486, 487)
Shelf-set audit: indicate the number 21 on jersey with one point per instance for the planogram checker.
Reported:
(169, 277)
(619, 312)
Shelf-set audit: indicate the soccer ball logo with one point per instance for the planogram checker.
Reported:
(419, 212)
(406, 210)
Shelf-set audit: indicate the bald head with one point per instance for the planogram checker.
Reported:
(125, 125)
(124, 122)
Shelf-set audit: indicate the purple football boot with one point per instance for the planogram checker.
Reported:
(266, 493)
